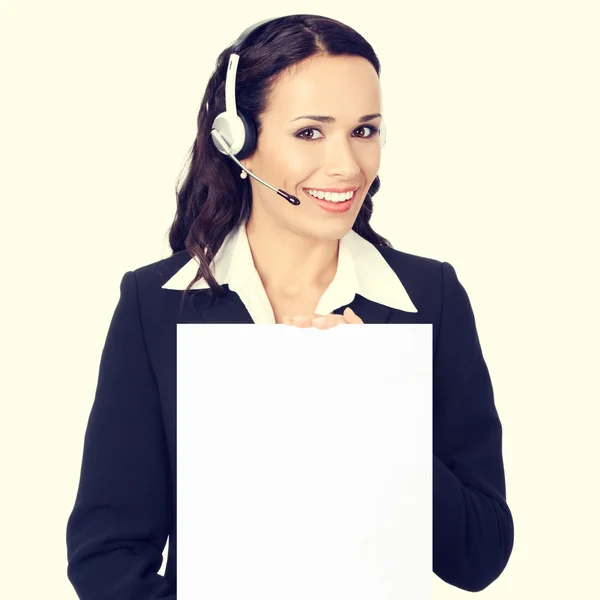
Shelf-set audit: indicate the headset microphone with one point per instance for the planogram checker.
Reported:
(221, 143)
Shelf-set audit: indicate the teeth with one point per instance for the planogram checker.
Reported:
(331, 196)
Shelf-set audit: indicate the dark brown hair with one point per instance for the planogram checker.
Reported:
(213, 200)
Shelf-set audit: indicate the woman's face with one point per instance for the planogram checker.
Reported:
(333, 149)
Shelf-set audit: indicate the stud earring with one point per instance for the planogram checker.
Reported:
(243, 174)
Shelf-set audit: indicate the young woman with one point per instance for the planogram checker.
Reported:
(310, 127)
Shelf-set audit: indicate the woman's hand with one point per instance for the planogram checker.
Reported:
(324, 321)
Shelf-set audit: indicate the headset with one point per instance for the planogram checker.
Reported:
(234, 133)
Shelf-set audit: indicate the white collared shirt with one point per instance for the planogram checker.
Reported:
(361, 270)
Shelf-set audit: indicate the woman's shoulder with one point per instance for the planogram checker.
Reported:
(412, 266)
(156, 274)
(422, 277)
(413, 260)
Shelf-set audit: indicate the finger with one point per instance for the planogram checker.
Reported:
(352, 318)
(328, 321)
(303, 321)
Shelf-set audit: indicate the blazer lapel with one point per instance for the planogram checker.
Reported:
(202, 308)
(370, 312)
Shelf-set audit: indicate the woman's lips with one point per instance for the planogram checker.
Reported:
(334, 207)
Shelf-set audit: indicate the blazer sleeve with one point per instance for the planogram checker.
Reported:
(472, 524)
(119, 525)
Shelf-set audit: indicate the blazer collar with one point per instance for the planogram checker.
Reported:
(361, 270)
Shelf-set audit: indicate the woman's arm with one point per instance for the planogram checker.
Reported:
(472, 524)
(122, 515)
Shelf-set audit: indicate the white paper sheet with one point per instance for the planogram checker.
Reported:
(304, 462)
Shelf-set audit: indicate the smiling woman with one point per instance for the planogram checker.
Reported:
(290, 244)
(341, 154)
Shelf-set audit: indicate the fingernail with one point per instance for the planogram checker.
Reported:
(319, 321)
(297, 319)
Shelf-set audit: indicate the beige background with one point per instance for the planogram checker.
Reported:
(491, 164)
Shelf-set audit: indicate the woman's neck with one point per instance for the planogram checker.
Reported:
(289, 263)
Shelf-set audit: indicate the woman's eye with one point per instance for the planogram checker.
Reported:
(301, 135)
(372, 130)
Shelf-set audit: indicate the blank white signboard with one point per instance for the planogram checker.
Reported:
(304, 462)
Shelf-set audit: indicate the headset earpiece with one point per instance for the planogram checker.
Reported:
(239, 131)
(250, 136)
(231, 128)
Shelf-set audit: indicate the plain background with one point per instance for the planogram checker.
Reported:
(492, 164)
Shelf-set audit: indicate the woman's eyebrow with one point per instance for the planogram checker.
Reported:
(362, 119)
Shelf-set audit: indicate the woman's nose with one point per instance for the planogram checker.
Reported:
(341, 160)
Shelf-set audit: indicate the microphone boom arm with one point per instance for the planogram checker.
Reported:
(223, 144)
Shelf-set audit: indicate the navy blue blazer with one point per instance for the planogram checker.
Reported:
(126, 501)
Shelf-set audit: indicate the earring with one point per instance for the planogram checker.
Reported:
(243, 174)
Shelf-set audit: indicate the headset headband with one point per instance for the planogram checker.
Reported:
(239, 43)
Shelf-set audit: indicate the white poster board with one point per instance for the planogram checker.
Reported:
(304, 462)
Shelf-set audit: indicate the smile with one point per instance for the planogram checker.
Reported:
(333, 202)
(331, 196)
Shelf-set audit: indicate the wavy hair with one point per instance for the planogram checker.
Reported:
(212, 200)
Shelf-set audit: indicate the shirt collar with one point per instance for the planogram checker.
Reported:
(361, 270)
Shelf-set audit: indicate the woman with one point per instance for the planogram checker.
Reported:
(242, 254)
